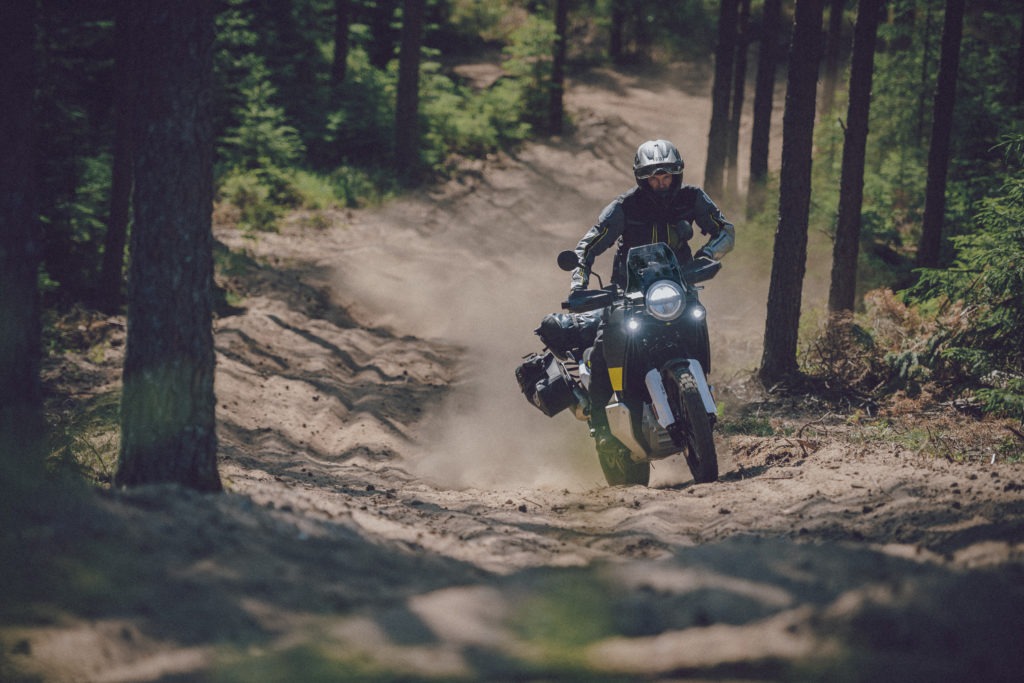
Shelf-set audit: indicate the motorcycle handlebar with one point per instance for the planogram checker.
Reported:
(582, 300)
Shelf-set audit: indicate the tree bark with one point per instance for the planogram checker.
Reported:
(718, 136)
(381, 47)
(616, 30)
(789, 258)
(930, 245)
(21, 402)
(739, 83)
(167, 408)
(342, 21)
(832, 44)
(842, 291)
(763, 102)
(407, 99)
(1019, 98)
(111, 277)
(556, 111)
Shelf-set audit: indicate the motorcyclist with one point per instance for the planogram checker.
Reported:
(659, 209)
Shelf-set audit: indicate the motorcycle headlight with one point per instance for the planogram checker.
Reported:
(665, 300)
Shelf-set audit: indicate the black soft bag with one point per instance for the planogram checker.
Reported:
(543, 384)
(565, 332)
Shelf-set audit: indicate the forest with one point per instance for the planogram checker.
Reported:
(306, 112)
(136, 131)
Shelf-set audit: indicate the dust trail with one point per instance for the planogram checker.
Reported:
(473, 263)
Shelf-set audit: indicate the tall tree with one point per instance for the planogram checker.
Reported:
(167, 409)
(764, 92)
(381, 47)
(739, 84)
(556, 110)
(616, 30)
(930, 245)
(1019, 92)
(111, 275)
(407, 113)
(924, 96)
(21, 402)
(842, 292)
(718, 136)
(789, 258)
(342, 22)
(833, 43)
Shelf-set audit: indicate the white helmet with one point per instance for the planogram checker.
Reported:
(658, 156)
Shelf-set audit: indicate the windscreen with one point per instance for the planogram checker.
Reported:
(649, 263)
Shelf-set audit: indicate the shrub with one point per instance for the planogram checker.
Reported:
(985, 288)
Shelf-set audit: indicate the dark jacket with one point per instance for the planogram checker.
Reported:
(639, 217)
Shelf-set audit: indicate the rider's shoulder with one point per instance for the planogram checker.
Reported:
(690, 193)
(623, 202)
(630, 196)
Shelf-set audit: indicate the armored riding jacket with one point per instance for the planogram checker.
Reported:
(639, 217)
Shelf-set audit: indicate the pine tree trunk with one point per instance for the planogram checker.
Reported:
(167, 407)
(342, 21)
(21, 402)
(779, 361)
(381, 46)
(616, 30)
(739, 83)
(407, 151)
(842, 292)
(556, 112)
(111, 277)
(1019, 99)
(718, 136)
(832, 44)
(763, 102)
(930, 246)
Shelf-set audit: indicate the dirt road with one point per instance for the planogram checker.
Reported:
(396, 510)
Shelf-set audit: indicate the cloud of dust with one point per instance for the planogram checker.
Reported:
(482, 274)
(487, 435)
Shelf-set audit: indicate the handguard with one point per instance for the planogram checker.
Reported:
(583, 300)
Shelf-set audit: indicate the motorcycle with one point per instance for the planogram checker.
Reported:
(657, 355)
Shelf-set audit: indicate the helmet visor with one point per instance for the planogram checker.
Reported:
(654, 169)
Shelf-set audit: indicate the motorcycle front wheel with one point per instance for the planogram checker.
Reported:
(620, 470)
(700, 444)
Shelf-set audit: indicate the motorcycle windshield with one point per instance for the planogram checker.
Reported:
(649, 263)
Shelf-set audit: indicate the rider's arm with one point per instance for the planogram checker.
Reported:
(712, 222)
(594, 243)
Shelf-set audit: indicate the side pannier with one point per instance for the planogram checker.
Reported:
(543, 384)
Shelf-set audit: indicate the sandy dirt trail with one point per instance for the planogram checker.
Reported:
(473, 263)
(396, 510)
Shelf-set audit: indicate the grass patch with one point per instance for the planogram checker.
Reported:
(87, 437)
(748, 425)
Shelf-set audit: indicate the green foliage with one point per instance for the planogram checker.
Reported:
(251, 199)
(906, 68)
(87, 439)
(985, 285)
(746, 424)
(528, 62)
(358, 129)
(355, 187)
(459, 120)
(262, 138)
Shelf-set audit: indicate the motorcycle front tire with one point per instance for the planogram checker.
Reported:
(700, 444)
(620, 470)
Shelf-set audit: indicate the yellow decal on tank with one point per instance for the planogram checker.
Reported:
(615, 375)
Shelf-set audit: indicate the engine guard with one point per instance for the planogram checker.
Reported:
(620, 423)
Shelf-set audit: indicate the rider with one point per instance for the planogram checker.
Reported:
(659, 209)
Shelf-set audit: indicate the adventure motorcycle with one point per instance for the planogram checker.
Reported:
(656, 350)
